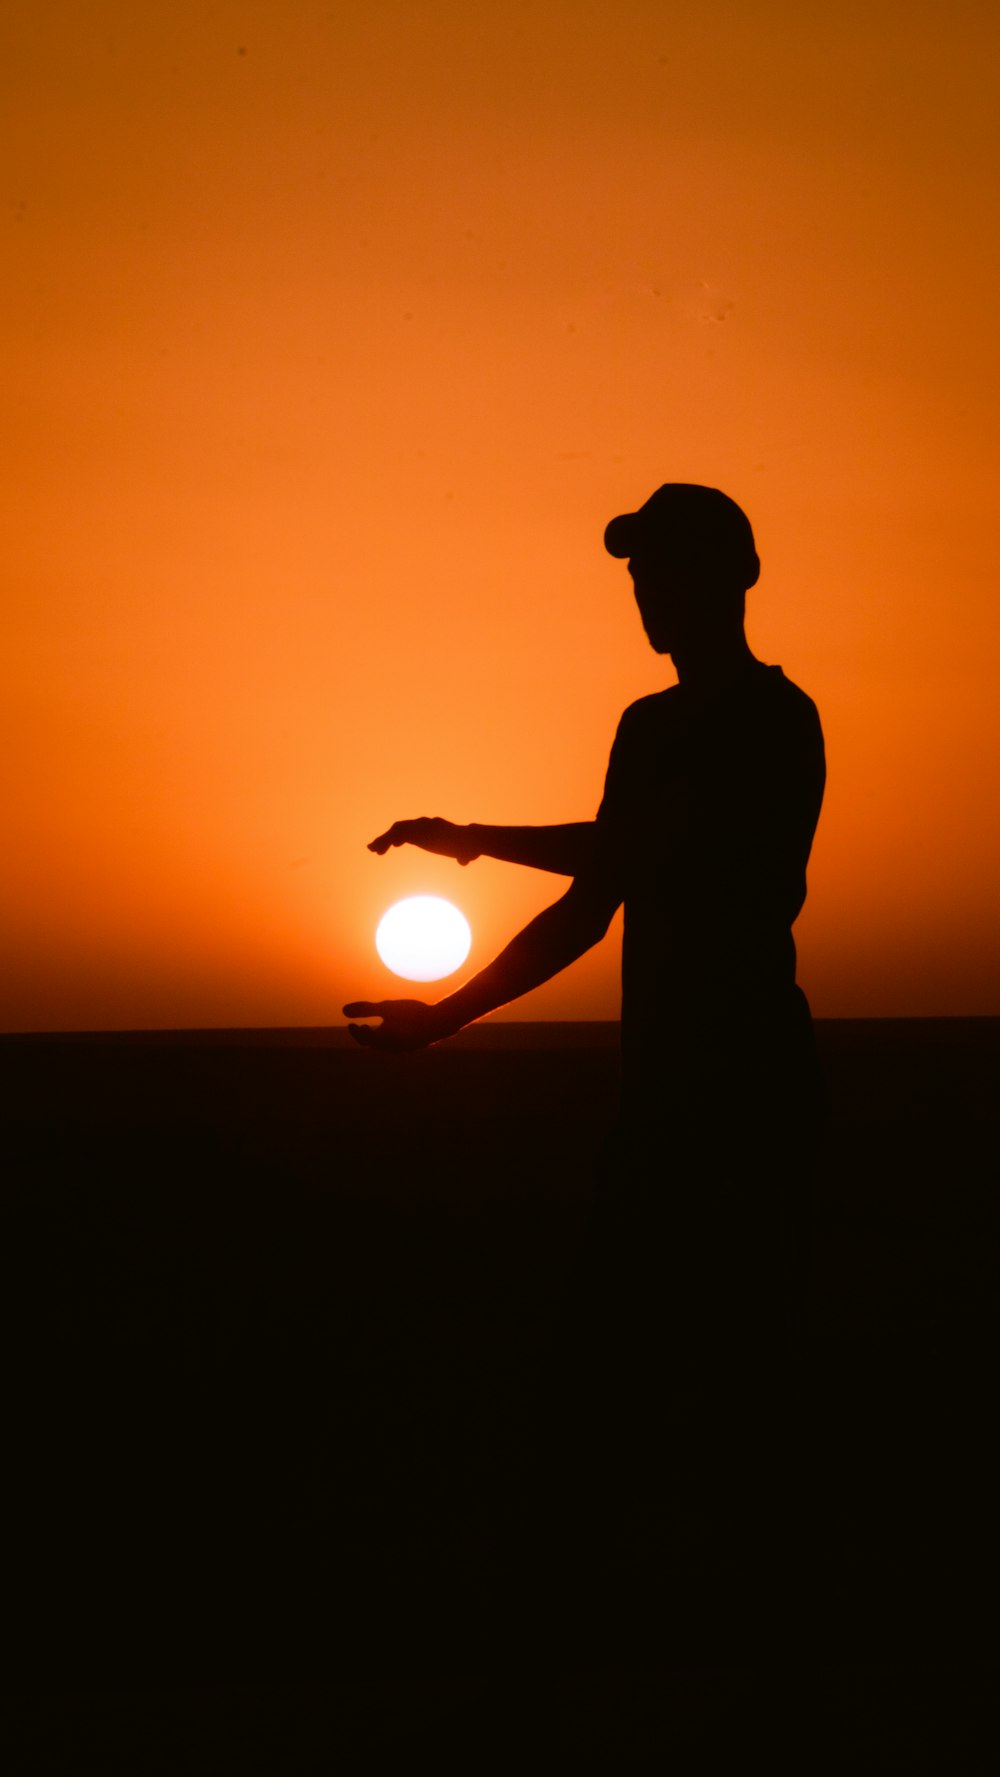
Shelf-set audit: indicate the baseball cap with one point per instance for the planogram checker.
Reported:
(693, 523)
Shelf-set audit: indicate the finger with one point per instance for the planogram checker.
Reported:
(363, 1009)
(363, 1034)
(400, 833)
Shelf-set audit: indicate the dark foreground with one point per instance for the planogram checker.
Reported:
(274, 1310)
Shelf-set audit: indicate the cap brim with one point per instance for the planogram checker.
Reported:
(619, 537)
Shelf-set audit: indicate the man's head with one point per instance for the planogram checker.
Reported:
(691, 555)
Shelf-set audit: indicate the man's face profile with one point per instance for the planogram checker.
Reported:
(663, 594)
(683, 600)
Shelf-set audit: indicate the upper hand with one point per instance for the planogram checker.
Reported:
(406, 1024)
(430, 833)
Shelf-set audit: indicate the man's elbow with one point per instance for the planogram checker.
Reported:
(589, 914)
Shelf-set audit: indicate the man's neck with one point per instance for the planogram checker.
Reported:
(713, 664)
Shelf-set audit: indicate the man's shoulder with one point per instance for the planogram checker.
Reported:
(787, 695)
(650, 709)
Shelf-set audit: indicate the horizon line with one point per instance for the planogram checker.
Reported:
(578, 1031)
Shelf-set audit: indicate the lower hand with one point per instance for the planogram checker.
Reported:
(406, 1024)
(430, 833)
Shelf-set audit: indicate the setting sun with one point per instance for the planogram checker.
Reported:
(423, 938)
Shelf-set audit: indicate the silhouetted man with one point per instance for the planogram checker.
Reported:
(712, 795)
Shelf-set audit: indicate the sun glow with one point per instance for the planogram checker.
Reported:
(423, 938)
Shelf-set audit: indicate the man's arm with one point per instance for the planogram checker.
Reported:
(550, 943)
(564, 850)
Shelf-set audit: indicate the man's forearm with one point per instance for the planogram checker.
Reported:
(564, 850)
(550, 943)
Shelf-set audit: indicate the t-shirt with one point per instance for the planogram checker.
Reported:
(710, 805)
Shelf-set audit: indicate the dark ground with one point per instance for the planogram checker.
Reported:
(273, 1314)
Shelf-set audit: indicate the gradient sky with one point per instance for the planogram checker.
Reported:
(333, 335)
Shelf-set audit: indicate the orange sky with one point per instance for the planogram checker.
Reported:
(334, 333)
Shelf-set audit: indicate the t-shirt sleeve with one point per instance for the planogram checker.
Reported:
(606, 872)
(611, 810)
